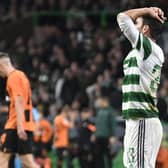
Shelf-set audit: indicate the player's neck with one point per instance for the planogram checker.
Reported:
(149, 36)
(9, 70)
(152, 38)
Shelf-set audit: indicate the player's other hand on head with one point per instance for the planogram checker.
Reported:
(157, 13)
(21, 133)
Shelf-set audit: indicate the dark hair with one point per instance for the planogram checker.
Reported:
(86, 109)
(3, 54)
(66, 108)
(155, 26)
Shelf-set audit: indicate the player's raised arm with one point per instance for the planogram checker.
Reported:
(127, 19)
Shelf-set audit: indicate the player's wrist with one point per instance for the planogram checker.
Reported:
(143, 11)
(146, 10)
(139, 12)
(19, 125)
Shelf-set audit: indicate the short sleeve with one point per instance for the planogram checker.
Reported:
(65, 123)
(15, 85)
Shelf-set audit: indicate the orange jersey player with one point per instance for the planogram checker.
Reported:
(18, 133)
(18, 86)
(61, 135)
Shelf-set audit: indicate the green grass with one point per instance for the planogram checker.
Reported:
(117, 162)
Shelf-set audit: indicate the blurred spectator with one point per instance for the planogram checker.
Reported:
(163, 101)
(105, 124)
(3, 104)
(86, 128)
(73, 137)
(70, 87)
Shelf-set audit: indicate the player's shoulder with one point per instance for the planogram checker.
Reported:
(151, 49)
(45, 123)
(57, 119)
(20, 74)
(157, 50)
(16, 74)
(12, 77)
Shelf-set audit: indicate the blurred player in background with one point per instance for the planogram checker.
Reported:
(142, 69)
(43, 141)
(17, 137)
(61, 134)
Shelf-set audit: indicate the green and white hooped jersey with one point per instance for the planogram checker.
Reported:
(142, 70)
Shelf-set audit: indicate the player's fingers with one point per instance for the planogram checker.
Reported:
(161, 13)
(159, 18)
(158, 11)
(164, 18)
(23, 136)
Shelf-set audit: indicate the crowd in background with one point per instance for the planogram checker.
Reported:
(74, 61)
(14, 9)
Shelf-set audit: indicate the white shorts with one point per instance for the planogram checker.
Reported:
(141, 142)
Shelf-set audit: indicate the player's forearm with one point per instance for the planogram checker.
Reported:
(19, 110)
(135, 13)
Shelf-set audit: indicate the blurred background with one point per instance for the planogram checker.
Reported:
(72, 52)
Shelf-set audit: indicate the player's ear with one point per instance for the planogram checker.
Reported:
(146, 29)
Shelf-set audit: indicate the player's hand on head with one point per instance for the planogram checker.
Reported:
(21, 133)
(157, 13)
(160, 13)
